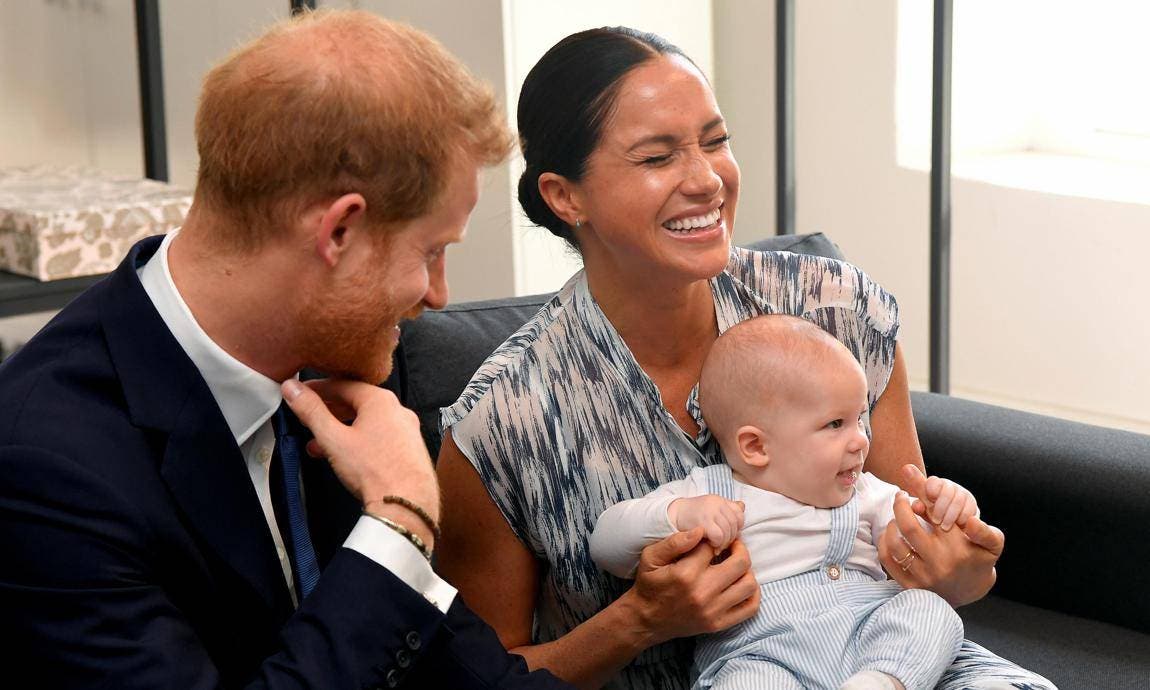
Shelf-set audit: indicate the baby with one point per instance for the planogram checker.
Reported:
(787, 403)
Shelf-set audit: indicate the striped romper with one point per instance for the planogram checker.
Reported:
(561, 422)
(817, 628)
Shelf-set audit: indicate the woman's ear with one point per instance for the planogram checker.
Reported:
(752, 446)
(562, 196)
(336, 225)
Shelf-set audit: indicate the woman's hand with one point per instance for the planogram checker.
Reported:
(958, 565)
(678, 592)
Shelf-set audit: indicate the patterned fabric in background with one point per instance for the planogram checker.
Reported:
(67, 222)
(561, 422)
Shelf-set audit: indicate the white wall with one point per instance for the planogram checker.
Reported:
(62, 86)
(1045, 288)
(195, 36)
(745, 89)
(482, 267)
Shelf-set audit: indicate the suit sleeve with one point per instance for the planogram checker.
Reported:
(86, 604)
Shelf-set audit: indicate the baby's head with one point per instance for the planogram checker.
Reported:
(786, 401)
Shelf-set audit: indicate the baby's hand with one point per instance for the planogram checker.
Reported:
(950, 504)
(720, 519)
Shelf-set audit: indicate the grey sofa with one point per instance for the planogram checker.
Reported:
(1073, 595)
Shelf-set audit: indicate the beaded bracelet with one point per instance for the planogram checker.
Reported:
(405, 533)
(413, 507)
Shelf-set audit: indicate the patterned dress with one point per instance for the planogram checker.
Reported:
(561, 422)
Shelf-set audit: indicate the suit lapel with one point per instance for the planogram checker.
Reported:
(201, 465)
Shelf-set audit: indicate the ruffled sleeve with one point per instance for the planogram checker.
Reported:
(839, 297)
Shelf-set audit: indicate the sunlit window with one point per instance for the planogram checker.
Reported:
(1046, 94)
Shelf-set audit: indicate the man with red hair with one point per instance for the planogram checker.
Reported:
(158, 525)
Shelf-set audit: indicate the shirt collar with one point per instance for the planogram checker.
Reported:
(246, 397)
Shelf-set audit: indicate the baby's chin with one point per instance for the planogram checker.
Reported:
(842, 495)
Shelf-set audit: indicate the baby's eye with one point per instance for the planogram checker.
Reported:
(836, 424)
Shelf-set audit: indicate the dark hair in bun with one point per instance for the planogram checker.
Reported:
(565, 100)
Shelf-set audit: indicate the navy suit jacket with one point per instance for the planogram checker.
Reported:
(133, 550)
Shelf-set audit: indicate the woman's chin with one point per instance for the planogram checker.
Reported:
(701, 255)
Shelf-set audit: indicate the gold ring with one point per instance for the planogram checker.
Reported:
(904, 559)
(909, 560)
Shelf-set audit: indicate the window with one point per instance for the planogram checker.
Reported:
(1046, 95)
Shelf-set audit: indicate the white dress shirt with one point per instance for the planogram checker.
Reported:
(248, 399)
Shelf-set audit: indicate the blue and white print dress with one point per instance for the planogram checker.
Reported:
(561, 422)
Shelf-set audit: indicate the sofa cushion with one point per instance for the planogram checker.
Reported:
(1071, 652)
(439, 351)
(1073, 499)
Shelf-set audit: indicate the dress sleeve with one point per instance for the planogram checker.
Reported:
(839, 297)
(495, 447)
(500, 424)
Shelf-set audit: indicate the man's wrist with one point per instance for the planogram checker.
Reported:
(429, 521)
(404, 517)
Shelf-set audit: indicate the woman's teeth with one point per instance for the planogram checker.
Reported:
(688, 224)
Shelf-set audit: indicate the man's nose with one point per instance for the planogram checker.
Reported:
(437, 290)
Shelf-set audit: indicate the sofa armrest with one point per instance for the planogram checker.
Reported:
(1073, 500)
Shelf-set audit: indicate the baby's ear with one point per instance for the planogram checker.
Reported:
(752, 443)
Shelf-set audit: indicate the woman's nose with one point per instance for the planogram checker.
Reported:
(702, 179)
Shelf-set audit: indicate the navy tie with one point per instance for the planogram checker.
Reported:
(302, 552)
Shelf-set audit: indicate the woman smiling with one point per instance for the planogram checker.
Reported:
(593, 401)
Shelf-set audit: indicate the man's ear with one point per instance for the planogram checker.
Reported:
(752, 445)
(337, 225)
(561, 195)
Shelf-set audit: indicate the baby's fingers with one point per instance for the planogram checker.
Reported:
(961, 500)
(933, 488)
(968, 511)
(942, 504)
(716, 535)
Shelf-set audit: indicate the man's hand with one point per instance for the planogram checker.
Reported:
(378, 453)
(721, 519)
(678, 592)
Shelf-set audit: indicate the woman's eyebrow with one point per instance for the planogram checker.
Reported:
(667, 139)
(713, 124)
(671, 140)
